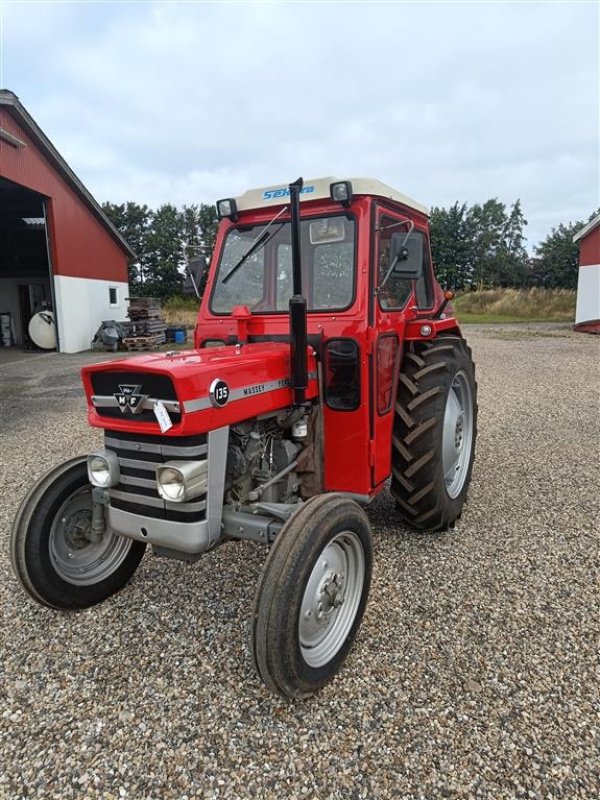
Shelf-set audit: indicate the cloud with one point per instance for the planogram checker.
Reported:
(187, 102)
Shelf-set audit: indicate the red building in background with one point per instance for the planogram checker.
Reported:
(587, 314)
(57, 247)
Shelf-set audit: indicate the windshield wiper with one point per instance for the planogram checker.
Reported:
(259, 242)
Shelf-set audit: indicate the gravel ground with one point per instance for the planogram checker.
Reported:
(475, 673)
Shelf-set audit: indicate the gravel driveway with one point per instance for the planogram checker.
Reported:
(475, 673)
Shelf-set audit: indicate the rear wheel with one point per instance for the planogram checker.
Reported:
(311, 596)
(53, 553)
(435, 427)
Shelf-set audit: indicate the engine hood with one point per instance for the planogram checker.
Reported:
(201, 389)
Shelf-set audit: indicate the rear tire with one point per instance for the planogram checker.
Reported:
(51, 556)
(311, 596)
(435, 428)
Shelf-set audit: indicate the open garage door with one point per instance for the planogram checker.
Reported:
(25, 276)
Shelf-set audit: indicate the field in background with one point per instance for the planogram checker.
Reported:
(181, 311)
(516, 305)
(490, 305)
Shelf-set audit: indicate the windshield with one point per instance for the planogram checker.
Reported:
(263, 282)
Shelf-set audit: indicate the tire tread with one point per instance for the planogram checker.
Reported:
(417, 486)
(270, 623)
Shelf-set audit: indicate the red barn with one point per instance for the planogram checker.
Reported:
(587, 314)
(58, 249)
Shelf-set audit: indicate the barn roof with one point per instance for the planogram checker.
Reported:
(16, 109)
(592, 224)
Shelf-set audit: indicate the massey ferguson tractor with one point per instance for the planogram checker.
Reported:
(323, 365)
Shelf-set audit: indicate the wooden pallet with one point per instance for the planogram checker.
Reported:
(143, 342)
(144, 302)
(140, 347)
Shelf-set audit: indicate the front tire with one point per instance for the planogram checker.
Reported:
(51, 554)
(435, 428)
(311, 596)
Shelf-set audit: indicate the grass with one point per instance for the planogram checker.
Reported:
(486, 306)
(181, 311)
(516, 305)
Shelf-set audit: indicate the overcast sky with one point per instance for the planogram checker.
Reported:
(189, 102)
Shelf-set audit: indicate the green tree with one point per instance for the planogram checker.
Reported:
(479, 246)
(164, 241)
(557, 257)
(191, 241)
(133, 223)
(208, 225)
(451, 245)
(164, 252)
(512, 268)
(485, 229)
(207, 219)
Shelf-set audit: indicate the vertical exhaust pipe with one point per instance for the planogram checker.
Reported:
(297, 305)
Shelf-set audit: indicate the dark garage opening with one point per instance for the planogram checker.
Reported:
(25, 283)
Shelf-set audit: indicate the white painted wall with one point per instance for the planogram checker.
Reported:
(588, 294)
(81, 305)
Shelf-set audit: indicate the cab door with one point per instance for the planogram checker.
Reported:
(392, 299)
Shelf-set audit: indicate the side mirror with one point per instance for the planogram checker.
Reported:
(406, 254)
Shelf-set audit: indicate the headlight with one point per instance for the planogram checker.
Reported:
(179, 481)
(103, 469)
(171, 485)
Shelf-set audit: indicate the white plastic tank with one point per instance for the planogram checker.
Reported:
(42, 330)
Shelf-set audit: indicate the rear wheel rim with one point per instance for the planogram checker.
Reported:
(75, 559)
(331, 599)
(457, 434)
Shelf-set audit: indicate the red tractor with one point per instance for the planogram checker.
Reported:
(323, 364)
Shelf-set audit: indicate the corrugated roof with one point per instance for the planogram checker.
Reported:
(593, 223)
(18, 111)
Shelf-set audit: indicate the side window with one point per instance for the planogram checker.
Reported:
(396, 292)
(423, 288)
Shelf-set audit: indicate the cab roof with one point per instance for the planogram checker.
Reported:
(318, 189)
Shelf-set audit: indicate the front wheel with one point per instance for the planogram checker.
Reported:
(312, 595)
(435, 427)
(53, 552)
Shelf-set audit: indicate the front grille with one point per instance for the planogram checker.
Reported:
(138, 456)
(152, 385)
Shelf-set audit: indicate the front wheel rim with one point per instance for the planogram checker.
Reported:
(457, 434)
(74, 558)
(331, 599)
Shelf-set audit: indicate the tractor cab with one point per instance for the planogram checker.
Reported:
(367, 277)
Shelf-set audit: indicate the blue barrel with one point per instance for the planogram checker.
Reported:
(179, 335)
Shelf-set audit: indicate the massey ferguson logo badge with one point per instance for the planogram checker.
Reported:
(130, 399)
